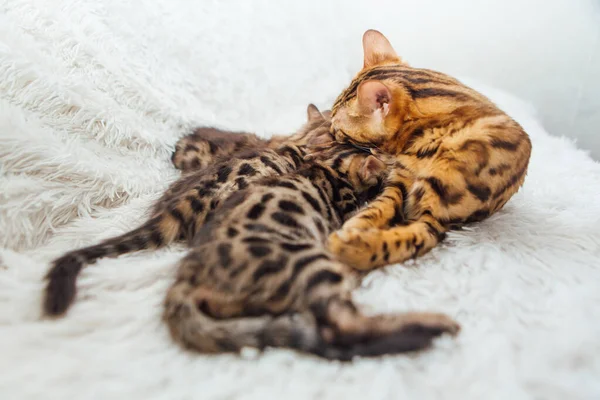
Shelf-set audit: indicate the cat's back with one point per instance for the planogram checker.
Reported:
(228, 173)
(276, 209)
(455, 118)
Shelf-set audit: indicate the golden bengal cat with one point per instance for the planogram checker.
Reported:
(458, 157)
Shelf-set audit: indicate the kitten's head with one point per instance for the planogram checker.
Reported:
(371, 110)
(362, 169)
(365, 172)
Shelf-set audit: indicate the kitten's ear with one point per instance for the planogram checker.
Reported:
(371, 168)
(327, 114)
(374, 95)
(377, 49)
(313, 113)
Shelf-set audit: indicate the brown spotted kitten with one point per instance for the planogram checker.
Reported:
(458, 157)
(204, 145)
(259, 274)
(181, 211)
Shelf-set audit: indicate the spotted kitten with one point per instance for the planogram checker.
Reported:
(204, 145)
(259, 273)
(182, 210)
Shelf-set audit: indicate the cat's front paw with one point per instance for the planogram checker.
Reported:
(357, 248)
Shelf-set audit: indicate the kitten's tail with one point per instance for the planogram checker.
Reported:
(61, 278)
(333, 329)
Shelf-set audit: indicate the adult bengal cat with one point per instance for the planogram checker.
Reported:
(459, 158)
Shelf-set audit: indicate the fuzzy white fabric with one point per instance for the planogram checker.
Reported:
(93, 95)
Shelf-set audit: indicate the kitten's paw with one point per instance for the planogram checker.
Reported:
(190, 154)
(389, 334)
(429, 323)
(356, 247)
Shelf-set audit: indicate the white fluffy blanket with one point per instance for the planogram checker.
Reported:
(93, 95)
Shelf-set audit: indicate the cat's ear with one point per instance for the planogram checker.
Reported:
(374, 96)
(377, 49)
(313, 113)
(371, 168)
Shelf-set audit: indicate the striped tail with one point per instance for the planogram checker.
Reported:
(61, 279)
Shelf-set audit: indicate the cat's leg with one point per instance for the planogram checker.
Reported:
(201, 148)
(390, 232)
(346, 332)
(407, 220)
(371, 248)
(215, 310)
(387, 209)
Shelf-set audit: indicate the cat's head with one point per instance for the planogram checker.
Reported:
(371, 110)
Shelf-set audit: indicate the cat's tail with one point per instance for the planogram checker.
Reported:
(61, 278)
(333, 329)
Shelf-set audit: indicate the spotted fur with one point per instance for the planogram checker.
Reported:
(259, 273)
(224, 164)
(207, 144)
(458, 157)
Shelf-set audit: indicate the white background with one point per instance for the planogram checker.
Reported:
(93, 95)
